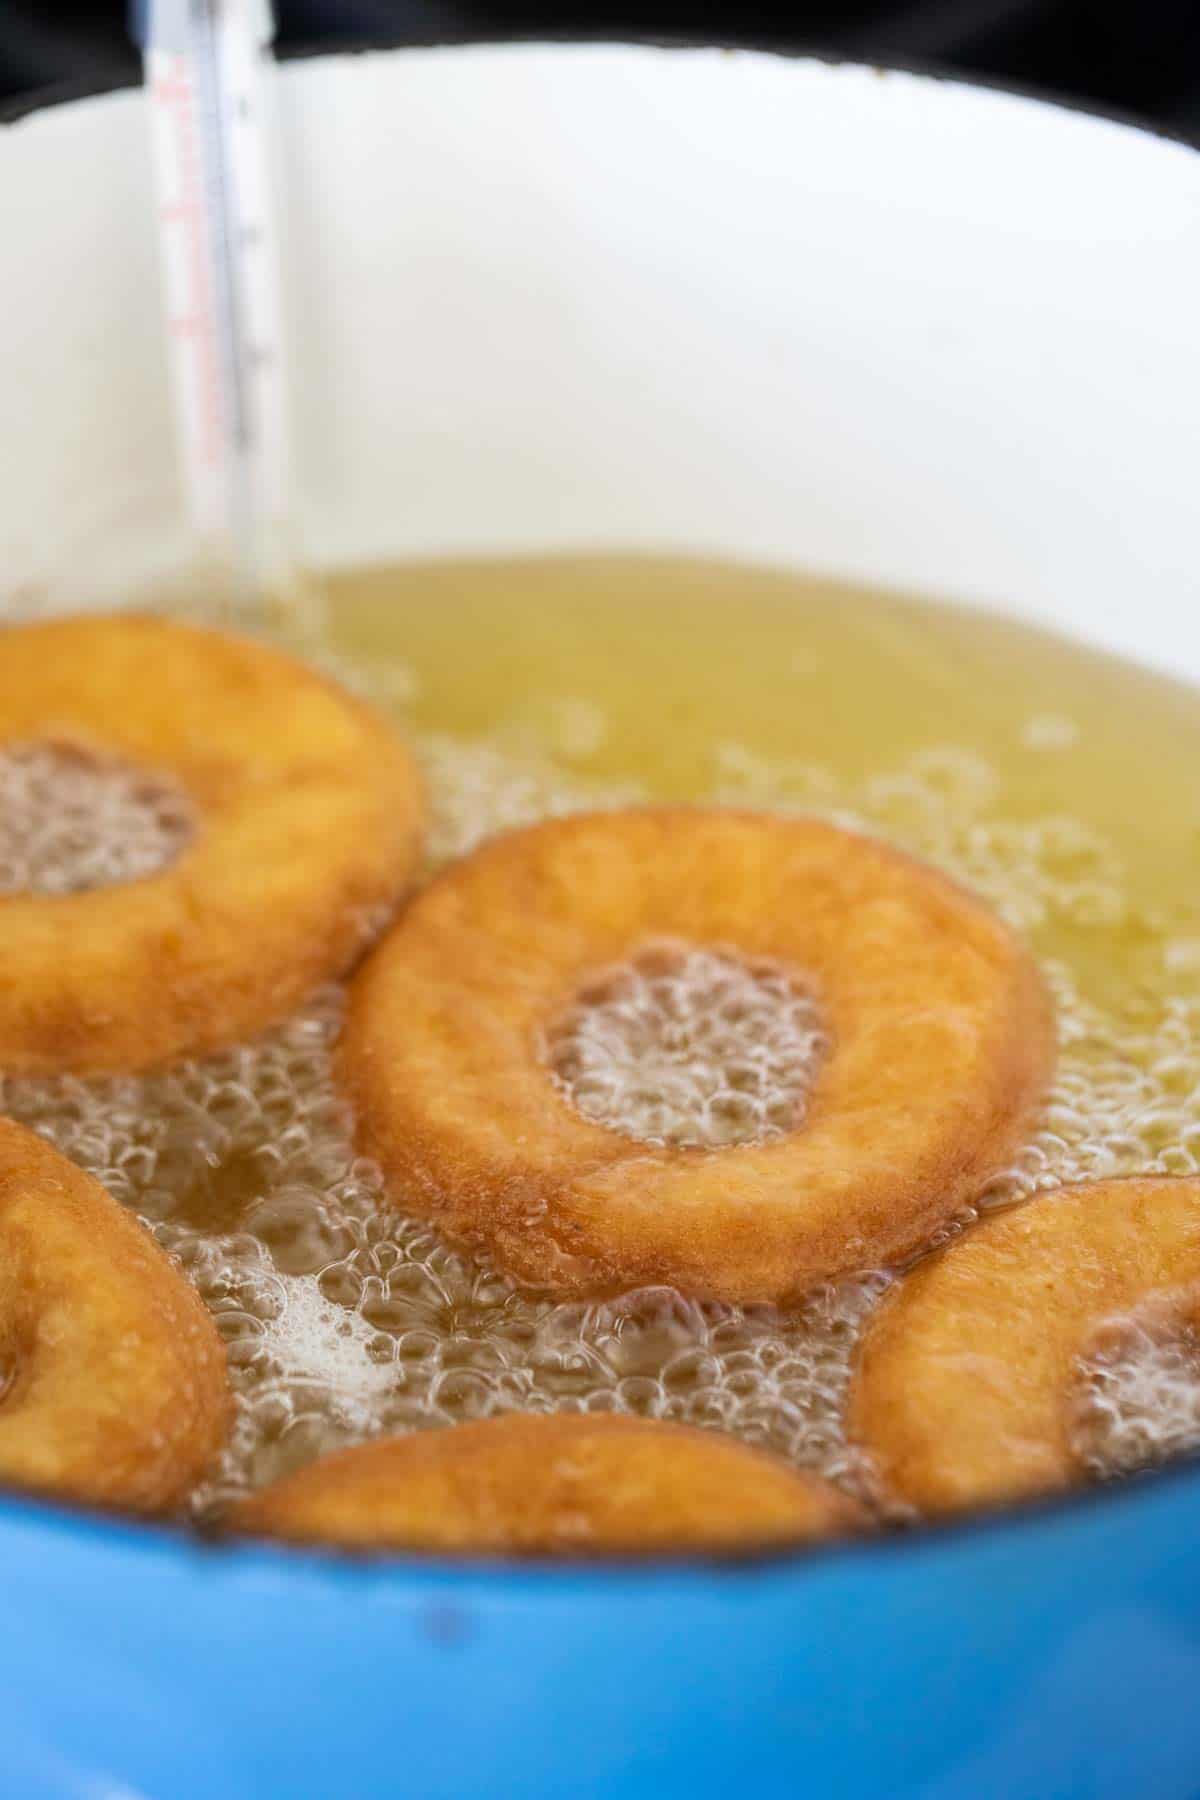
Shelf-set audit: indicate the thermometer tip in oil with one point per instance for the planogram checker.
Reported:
(204, 78)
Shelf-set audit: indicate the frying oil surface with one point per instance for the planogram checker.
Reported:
(1052, 782)
(690, 1047)
(69, 822)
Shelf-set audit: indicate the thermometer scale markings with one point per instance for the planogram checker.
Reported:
(218, 259)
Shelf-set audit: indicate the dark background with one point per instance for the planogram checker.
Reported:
(1138, 56)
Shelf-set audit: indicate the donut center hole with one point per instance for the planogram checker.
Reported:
(1137, 1397)
(694, 1048)
(72, 820)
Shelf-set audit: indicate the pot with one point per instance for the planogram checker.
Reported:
(692, 299)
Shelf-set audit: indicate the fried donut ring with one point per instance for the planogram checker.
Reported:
(564, 1483)
(962, 1390)
(116, 1390)
(308, 813)
(941, 1043)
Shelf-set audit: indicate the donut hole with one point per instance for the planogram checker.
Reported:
(1136, 1400)
(689, 1047)
(72, 820)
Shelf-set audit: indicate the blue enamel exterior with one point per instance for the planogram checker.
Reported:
(1046, 1656)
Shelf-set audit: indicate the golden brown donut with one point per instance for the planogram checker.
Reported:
(561, 1484)
(308, 815)
(114, 1381)
(963, 1388)
(942, 1042)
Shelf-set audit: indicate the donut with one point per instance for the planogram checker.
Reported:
(939, 1031)
(113, 1385)
(962, 1391)
(558, 1484)
(306, 816)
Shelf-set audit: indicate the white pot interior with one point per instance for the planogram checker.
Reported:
(544, 296)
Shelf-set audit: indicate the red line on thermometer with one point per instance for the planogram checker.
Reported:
(173, 91)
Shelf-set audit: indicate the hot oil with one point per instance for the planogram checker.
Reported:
(1054, 782)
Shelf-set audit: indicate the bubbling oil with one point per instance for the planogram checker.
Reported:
(71, 821)
(692, 1047)
(1051, 781)
(1137, 1401)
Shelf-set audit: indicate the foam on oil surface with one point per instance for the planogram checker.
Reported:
(71, 821)
(345, 1319)
(1137, 1400)
(692, 1047)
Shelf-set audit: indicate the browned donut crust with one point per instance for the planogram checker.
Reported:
(114, 1382)
(942, 1042)
(564, 1484)
(308, 820)
(963, 1389)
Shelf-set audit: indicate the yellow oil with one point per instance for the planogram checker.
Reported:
(1058, 783)
(644, 671)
